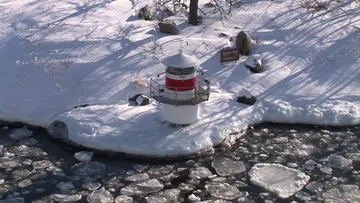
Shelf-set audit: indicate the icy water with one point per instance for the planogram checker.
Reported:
(34, 168)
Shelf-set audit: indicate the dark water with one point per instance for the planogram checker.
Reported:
(303, 146)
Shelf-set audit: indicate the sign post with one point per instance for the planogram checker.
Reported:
(229, 54)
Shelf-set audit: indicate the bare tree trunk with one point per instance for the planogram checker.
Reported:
(193, 14)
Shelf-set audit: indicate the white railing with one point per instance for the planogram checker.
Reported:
(201, 93)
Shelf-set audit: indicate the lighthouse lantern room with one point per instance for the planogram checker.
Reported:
(183, 90)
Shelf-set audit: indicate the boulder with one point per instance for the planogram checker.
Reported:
(243, 42)
(246, 97)
(140, 99)
(145, 13)
(254, 63)
(168, 26)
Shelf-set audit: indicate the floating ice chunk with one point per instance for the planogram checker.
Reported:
(13, 200)
(88, 168)
(123, 199)
(24, 183)
(29, 141)
(200, 172)
(67, 198)
(226, 166)
(223, 191)
(353, 156)
(315, 186)
(337, 161)
(65, 186)
(194, 198)
(146, 187)
(167, 196)
(91, 186)
(245, 93)
(100, 196)
(42, 164)
(83, 156)
(278, 179)
(138, 177)
(20, 133)
(139, 167)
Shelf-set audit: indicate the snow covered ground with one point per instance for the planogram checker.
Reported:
(59, 54)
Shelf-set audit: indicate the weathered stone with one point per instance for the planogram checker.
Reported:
(168, 26)
(243, 41)
(145, 13)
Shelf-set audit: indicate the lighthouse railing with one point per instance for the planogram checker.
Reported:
(201, 93)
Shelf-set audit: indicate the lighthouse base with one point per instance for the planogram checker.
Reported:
(182, 115)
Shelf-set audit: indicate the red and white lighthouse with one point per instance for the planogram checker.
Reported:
(183, 90)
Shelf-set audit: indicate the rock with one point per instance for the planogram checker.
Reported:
(145, 13)
(245, 96)
(100, 196)
(123, 199)
(42, 164)
(243, 41)
(223, 191)
(83, 156)
(226, 166)
(140, 99)
(169, 12)
(168, 26)
(254, 63)
(278, 179)
(200, 172)
(66, 198)
(146, 187)
(88, 168)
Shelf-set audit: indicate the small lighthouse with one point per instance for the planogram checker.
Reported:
(183, 90)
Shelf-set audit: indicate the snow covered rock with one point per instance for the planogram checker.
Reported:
(140, 99)
(223, 191)
(243, 41)
(278, 179)
(145, 13)
(20, 133)
(245, 96)
(83, 156)
(100, 196)
(146, 187)
(254, 63)
(88, 168)
(226, 166)
(168, 26)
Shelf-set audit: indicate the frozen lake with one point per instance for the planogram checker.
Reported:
(34, 168)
